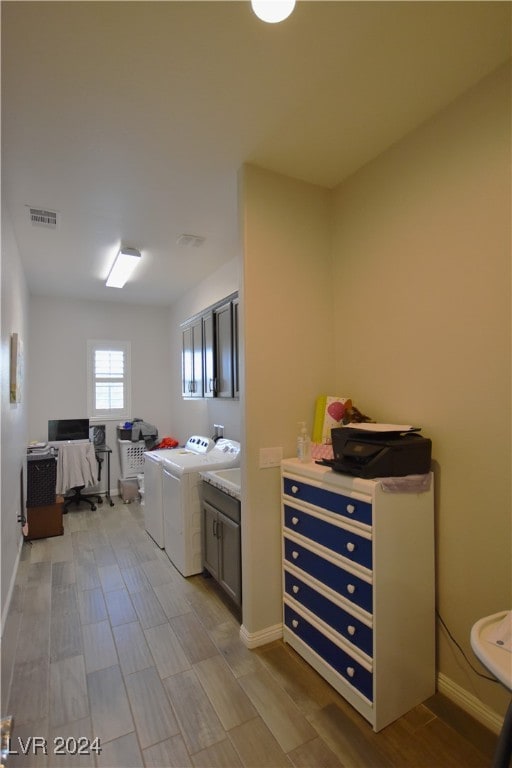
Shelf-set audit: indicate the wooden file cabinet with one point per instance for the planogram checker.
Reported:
(45, 521)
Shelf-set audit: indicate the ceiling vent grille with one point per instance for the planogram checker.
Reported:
(190, 241)
(42, 217)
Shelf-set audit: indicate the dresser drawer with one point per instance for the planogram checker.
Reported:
(344, 664)
(340, 540)
(341, 621)
(343, 582)
(352, 509)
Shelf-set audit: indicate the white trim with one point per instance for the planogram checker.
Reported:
(11, 586)
(469, 703)
(264, 636)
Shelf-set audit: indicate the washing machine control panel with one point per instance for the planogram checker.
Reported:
(199, 444)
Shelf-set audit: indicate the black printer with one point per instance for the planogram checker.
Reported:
(367, 453)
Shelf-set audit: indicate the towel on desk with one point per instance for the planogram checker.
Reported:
(76, 465)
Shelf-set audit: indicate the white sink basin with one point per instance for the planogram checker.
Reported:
(225, 479)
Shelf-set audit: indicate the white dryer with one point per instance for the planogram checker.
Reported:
(181, 496)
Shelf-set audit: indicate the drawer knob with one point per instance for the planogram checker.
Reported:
(351, 629)
(295, 520)
(351, 671)
(295, 589)
(295, 623)
(351, 546)
(351, 509)
(351, 589)
(295, 488)
(295, 554)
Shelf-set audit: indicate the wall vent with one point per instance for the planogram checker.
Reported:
(42, 217)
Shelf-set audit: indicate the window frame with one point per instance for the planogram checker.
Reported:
(105, 414)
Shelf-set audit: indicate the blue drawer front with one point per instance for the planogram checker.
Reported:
(338, 659)
(341, 541)
(352, 509)
(342, 622)
(344, 583)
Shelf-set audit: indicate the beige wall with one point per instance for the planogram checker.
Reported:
(422, 252)
(393, 289)
(287, 335)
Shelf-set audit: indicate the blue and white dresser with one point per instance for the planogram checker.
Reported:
(358, 585)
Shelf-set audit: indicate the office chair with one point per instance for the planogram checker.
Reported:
(77, 468)
(78, 497)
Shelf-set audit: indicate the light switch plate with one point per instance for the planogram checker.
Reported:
(270, 457)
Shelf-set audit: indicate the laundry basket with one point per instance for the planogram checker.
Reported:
(131, 456)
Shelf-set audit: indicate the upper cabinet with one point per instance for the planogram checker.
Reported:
(210, 351)
(191, 357)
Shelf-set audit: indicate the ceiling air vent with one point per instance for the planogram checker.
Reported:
(41, 217)
(190, 241)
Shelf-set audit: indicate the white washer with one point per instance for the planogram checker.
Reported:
(153, 502)
(181, 497)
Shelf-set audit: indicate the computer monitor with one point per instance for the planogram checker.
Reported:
(68, 429)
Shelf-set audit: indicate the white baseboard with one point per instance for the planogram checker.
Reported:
(11, 587)
(469, 703)
(264, 636)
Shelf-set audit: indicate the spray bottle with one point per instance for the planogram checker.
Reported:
(303, 443)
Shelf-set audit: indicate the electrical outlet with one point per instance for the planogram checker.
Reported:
(270, 457)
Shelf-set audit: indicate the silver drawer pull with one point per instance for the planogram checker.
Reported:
(295, 623)
(351, 588)
(351, 546)
(351, 629)
(295, 554)
(295, 488)
(351, 671)
(295, 589)
(295, 520)
(351, 509)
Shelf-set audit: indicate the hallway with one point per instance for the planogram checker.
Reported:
(110, 643)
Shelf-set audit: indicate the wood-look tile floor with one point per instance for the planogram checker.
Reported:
(109, 642)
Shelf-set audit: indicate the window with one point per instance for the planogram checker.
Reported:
(108, 381)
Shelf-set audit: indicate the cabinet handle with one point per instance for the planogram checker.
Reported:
(351, 589)
(351, 509)
(295, 554)
(351, 546)
(351, 671)
(295, 589)
(295, 623)
(295, 488)
(295, 520)
(351, 629)
(214, 527)
(219, 529)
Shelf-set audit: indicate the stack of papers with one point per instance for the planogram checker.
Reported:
(378, 427)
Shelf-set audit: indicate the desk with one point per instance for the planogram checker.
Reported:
(499, 662)
(101, 452)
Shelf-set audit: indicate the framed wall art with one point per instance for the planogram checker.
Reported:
(16, 369)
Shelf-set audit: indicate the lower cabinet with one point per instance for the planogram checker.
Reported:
(221, 540)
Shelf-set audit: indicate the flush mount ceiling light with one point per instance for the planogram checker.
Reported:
(272, 11)
(123, 266)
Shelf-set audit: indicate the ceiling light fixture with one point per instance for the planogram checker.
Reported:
(273, 11)
(123, 266)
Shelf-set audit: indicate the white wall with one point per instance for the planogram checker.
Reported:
(423, 257)
(57, 388)
(198, 416)
(13, 436)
